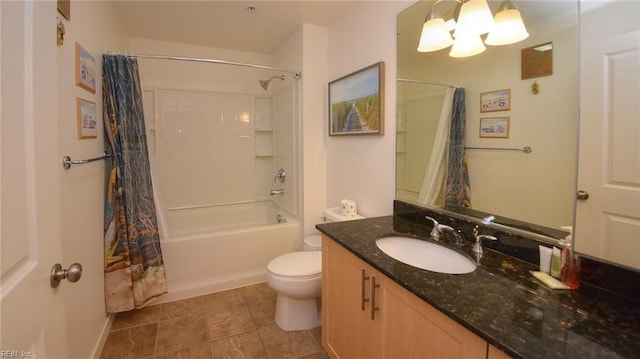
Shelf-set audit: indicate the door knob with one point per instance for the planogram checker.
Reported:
(72, 274)
(582, 195)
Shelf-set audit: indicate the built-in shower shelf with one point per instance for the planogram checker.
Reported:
(264, 130)
(264, 155)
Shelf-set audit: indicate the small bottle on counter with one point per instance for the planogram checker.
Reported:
(570, 272)
(556, 262)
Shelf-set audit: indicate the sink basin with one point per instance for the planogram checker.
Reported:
(425, 255)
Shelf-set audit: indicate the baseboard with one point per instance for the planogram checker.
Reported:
(104, 334)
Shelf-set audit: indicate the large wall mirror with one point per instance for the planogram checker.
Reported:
(534, 190)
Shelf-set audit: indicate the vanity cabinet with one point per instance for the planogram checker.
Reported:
(400, 325)
(347, 328)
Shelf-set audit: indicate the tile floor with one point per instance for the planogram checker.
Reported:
(237, 323)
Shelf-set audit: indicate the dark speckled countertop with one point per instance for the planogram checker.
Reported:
(501, 302)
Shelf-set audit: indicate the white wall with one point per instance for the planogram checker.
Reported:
(314, 97)
(362, 168)
(95, 26)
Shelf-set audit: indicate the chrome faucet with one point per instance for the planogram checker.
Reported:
(438, 228)
(280, 175)
(435, 231)
(477, 248)
(456, 238)
(279, 192)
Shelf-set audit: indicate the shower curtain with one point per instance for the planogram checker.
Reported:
(458, 186)
(434, 173)
(134, 269)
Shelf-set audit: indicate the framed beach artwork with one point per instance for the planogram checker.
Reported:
(85, 69)
(499, 100)
(356, 102)
(87, 120)
(494, 127)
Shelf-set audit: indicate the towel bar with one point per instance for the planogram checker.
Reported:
(67, 161)
(525, 149)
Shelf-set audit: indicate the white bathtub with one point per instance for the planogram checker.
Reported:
(217, 248)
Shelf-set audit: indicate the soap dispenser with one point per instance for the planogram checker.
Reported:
(570, 272)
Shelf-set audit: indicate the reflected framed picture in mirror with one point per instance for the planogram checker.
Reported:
(499, 100)
(537, 61)
(494, 127)
(356, 102)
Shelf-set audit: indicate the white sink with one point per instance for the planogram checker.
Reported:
(425, 255)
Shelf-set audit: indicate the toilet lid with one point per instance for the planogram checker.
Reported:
(296, 264)
(314, 241)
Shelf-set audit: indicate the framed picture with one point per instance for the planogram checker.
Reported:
(494, 127)
(87, 120)
(536, 61)
(499, 100)
(64, 7)
(85, 69)
(356, 102)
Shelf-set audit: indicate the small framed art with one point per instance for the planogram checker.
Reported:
(87, 122)
(494, 127)
(64, 8)
(356, 102)
(85, 69)
(499, 100)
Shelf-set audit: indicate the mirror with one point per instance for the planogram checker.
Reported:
(532, 191)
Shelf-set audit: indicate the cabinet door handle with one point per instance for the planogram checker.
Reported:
(363, 300)
(373, 297)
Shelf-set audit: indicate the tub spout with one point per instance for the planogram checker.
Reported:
(279, 192)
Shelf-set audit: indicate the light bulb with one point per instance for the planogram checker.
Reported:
(509, 28)
(434, 36)
(475, 19)
(467, 46)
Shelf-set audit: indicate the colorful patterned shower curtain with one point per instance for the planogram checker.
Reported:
(134, 269)
(458, 184)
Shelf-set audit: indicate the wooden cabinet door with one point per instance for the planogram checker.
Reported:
(414, 329)
(347, 328)
(495, 353)
(404, 326)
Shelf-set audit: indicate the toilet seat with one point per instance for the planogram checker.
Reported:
(297, 265)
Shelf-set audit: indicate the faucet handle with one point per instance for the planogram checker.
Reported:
(477, 248)
(435, 231)
(281, 175)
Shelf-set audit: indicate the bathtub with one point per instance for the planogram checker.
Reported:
(211, 249)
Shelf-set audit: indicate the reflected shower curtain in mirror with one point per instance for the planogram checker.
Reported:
(434, 174)
(458, 186)
(134, 268)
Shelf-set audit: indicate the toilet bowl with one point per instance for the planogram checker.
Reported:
(297, 277)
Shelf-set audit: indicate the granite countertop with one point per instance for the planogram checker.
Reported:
(501, 301)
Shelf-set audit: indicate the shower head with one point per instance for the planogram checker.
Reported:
(265, 83)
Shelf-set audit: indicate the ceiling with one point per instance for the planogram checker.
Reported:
(226, 24)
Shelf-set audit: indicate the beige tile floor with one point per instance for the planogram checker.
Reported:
(237, 323)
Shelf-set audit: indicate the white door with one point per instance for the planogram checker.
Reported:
(608, 222)
(31, 312)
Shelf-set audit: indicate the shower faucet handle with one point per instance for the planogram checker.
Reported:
(281, 175)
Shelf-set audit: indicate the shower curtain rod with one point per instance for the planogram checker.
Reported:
(427, 83)
(296, 74)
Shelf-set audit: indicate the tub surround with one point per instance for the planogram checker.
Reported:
(500, 301)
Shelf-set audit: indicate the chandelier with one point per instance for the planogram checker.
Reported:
(471, 20)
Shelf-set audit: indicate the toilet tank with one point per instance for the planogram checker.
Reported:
(334, 215)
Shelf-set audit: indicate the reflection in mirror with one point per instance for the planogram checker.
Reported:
(532, 191)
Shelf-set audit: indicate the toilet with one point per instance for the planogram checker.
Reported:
(297, 276)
